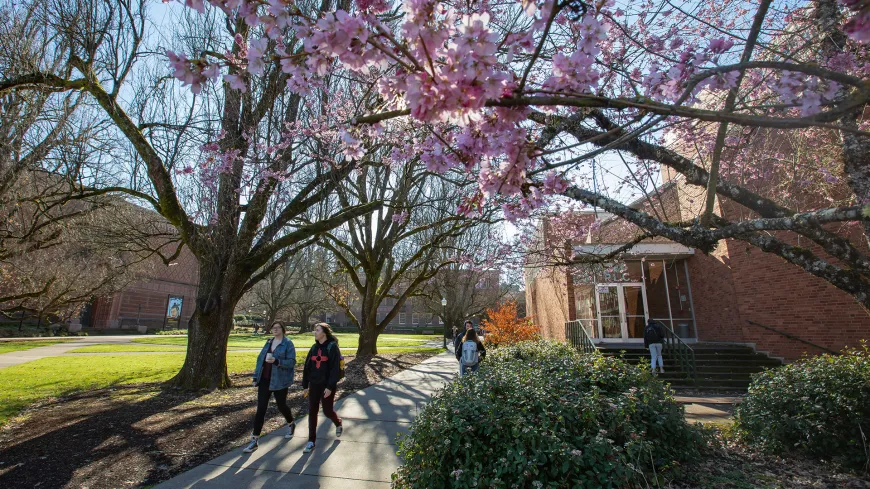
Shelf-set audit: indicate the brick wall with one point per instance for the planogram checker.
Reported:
(738, 282)
(147, 299)
(733, 284)
(549, 303)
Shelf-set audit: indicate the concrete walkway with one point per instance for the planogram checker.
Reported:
(363, 458)
(709, 409)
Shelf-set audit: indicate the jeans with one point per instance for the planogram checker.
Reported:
(464, 370)
(655, 352)
(315, 398)
(263, 395)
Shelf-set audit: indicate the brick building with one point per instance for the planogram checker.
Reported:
(412, 318)
(165, 299)
(730, 295)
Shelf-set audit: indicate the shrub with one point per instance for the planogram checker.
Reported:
(819, 406)
(538, 414)
(170, 332)
(504, 327)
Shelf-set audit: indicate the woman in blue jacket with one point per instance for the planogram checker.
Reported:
(273, 376)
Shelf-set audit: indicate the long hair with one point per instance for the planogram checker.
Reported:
(327, 331)
(471, 335)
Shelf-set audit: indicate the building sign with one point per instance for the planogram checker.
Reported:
(612, 272)
(173, 310)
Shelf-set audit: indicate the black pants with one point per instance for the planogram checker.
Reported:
(263, 395)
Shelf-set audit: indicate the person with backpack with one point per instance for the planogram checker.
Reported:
(457, 341)
(273, 375)
(323, 369)
(653, 336)
(470, 353)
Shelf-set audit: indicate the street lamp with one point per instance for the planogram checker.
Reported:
(444, 315)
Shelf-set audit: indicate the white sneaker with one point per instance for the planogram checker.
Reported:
(338, 430)
(308, 447)
(291, 428)
(253, 446)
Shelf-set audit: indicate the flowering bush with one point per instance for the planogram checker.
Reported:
(819, 406)
(504, 327)
(538, 414)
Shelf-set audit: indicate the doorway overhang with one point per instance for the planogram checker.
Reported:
(641, 250)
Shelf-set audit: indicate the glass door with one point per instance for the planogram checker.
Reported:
(635, 311)
(609, 311)
(622, 310)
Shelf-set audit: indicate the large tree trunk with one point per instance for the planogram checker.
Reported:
(303, 321)
(368, 342)
(205, 366)
(368, 330)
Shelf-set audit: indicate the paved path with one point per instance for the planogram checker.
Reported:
(709, 409)
(363, 458)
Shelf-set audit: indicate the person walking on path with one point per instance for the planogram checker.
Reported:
(319, 379)
(457, 341)
(470, 353)
(272, 376)
(652, 339)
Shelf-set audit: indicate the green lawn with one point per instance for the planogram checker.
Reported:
(50, 377)
(150, 348)
(10, 346)
(346, 340)
(27, 383)
(128, 348)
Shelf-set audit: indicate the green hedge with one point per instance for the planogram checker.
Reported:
(819, 406)
(538, 414)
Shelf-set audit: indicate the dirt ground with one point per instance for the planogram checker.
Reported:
(139, 435)
(730, 464)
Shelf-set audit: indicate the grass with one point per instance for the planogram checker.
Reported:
(129, 348)
(30, 382)
(346, 340)
(10, 346)
(148, 348)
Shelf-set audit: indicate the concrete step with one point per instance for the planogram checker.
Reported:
(706, 358)
(719, 367)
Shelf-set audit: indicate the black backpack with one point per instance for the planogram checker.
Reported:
(651, 333)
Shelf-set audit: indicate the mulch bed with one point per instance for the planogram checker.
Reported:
(732, 465)
(137, 435)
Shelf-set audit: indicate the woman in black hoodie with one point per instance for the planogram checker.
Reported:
(319, 379)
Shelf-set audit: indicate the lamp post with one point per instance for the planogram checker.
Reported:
(444, 315)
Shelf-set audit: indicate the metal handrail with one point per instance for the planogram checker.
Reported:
(674, 347)
(579, 339)
(792, 337)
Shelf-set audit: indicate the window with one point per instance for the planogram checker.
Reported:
(415, 318)
(403, 318)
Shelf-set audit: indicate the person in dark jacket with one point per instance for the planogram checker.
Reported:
(273, 376)
(465, 364)
(457, 341)
(320, 379)
(653, 335)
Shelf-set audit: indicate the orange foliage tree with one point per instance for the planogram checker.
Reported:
(504, 327)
